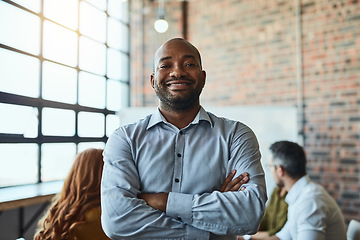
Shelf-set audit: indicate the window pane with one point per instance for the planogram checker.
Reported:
(33, 5)
(91, 124)
(92, 56)
(84, 60)
(92, 22)
(117, 65)
(18, 164)
(113, 98)
(58, 122)
(24, 31)
(124, 95)
(24, 82)
(101, 4)
(59, 83)
(60, 44)
(91, 90)
(85, 145)
(65, 12)
(119, 9)
(116, 33)
(112, 123)
(57, 159)
(17, 119)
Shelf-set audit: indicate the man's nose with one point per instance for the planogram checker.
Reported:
(177, 71)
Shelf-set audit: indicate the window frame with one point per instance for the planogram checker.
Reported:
(40, 103)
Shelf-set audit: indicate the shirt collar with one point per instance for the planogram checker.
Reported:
(157, 117)
(296, 189)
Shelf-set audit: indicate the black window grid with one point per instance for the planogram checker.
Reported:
(40, 103)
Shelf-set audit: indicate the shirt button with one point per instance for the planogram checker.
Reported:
(181, 132)
(177, 180)
(179, 155)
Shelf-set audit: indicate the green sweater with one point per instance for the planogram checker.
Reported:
(275, 214)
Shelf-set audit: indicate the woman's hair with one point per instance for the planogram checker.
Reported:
(81, 192)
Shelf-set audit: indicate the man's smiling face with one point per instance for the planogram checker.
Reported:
(178, 78)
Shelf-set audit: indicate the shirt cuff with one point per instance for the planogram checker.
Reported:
(195, 233)
(179, 206)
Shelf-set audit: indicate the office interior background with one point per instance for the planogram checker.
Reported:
(67, 68)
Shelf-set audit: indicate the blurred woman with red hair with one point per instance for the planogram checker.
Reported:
(75, 212)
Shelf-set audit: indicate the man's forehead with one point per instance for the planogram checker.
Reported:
(171, 50)
(176, 48)
(169, 57)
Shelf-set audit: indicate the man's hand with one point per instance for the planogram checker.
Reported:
(262, 235)
(231, 184)
(155, 200)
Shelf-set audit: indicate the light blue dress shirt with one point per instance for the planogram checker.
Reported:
(312, 214)
(153, 156)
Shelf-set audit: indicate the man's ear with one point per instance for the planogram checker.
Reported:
(280, 171)
(152, 80)
(204, 74)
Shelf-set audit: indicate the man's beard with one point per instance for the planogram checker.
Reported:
(177, 102)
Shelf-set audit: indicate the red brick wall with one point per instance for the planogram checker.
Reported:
(249, 51)
(331, 55)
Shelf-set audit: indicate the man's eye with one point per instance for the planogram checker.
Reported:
(189, 64)
(164, 66)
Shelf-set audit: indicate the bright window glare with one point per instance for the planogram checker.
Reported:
(113, 95)
(101, 4)
(115, 32)
(119, 9)
(59, 83)
(64, 72)
(24, 31)
(15, 168)
(115, 64)
(92, 22)
(112, 123)
(92, 56)
(60, 44)
(58, 122)
(17, 119)
(91, 124)
(85, 145)
(65, 12)
(24, 82)
(57, 159)
(33, 5)
(91, 90)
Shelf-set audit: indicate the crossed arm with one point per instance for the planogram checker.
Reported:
(159, 200)
(214, 208)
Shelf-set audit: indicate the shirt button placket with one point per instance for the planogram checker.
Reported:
(180, 141)
(177, 180)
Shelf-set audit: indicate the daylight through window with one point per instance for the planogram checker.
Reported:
(64, 73)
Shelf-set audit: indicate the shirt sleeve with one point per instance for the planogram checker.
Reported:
(124, 215)
(311, 220)
(284, 233)
(311, 235)
(228, 213)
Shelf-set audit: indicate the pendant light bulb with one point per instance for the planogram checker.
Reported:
(161, 25)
